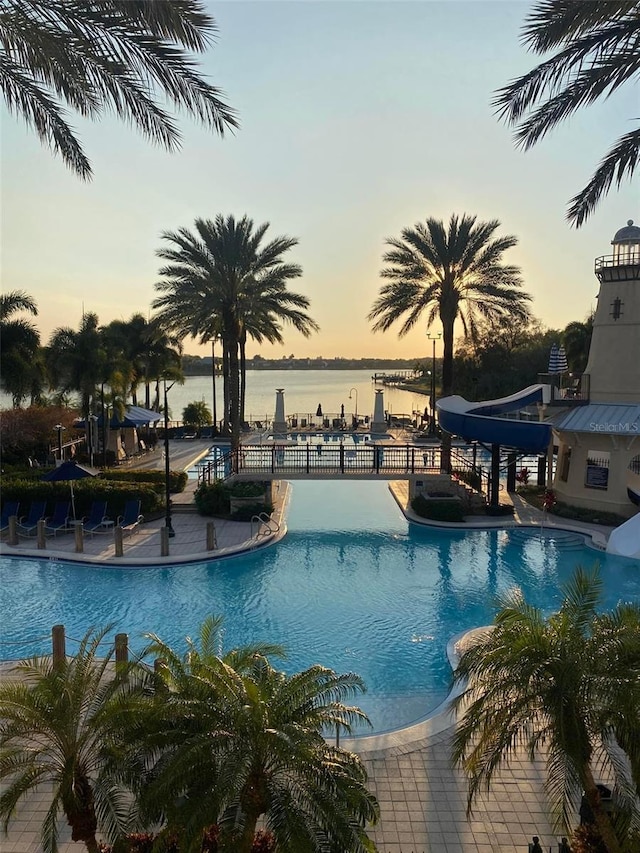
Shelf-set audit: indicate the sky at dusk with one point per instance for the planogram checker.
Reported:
(357, 120)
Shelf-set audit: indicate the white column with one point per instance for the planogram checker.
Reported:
(279, 421)
(378, 424)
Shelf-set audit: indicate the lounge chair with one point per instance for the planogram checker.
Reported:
(130, 518)
(9, 509)
(95, 521)
(37, 511)
(59, 520)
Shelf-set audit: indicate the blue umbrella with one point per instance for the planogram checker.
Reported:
(553, 359)
(70, 470)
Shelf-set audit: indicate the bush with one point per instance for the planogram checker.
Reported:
(246, 513)
(438, 510)
(500, 510)
(247, 490)
(212, 499)
(85, 492)
(177, 479)
(469, 476)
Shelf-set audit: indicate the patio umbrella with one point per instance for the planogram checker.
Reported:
(319, 411)
(70, 471)
(553, 359)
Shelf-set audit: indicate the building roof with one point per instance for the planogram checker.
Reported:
(629, 234)
(602, 419)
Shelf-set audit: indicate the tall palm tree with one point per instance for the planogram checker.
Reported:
(448, 274)
(567, 686)
(223, 280)
(60, 725)
(596, 46)
(78, 361)
(106, 57)
(239, 740)
(19, 347)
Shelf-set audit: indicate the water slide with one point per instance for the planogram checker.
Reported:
(625, 540)
(480, 421)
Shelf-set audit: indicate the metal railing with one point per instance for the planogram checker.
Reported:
(567, 389)
(266, 525)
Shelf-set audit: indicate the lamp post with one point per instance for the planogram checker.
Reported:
(432, 400)
(167, 492)
(59, 428)
(355, 391)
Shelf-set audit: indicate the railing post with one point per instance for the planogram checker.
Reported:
(122, 648)
(341, 458)
(308, 460)
(78, 532)
(58, 647)
(164, 541)
(211, 536)
(13, 530)
(40, 534)
(117, 540)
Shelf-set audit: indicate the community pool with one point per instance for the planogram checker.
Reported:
(352, 586)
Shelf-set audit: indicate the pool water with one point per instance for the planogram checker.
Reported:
(352, 586)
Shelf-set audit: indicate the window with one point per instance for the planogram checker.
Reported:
(597, 473)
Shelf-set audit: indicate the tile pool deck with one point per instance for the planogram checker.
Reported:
(422, 798)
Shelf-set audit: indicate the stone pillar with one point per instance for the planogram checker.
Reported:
(279, 420)
(378, 424)
(78, 532)
(58, 646)
(117, 538)
(164, 541)
(211, 536)
(40, 534)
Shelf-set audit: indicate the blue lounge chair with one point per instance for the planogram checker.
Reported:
(59, 520)
(9, 509)
(130, 518)
(95, 522)
(37, 511)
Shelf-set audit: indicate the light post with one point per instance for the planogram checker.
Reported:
(355, 391)
(432, 400)
(167, 491)
(59, 428)
(92, 429)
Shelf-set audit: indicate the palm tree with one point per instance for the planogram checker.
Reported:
(61, 725)
(449, 274)
(222, 280)
(567, 686)
(239, 740)
(106, 57)
(596, 47)
(19, 348)
(576, 339)
(78, 361)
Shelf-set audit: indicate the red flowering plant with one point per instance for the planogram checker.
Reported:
(548, 500)
(522, 476)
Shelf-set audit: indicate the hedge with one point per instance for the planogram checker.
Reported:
(85, 492)
(177, 479)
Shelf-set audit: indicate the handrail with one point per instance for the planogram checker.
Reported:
(266, 519)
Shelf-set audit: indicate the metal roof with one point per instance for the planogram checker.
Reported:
(603, 419)
(629, 234)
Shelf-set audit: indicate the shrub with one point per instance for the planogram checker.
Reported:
(469, 476)
(500, 510)
(247, 490)
(212, 499)
(246, 513)
(177, 479)
(438, 510)
(85, 492)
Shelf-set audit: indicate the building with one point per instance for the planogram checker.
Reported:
(599, 440)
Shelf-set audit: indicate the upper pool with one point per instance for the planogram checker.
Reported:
(352, 586)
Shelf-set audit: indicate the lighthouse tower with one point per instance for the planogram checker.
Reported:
(614, 356)
(599, 440)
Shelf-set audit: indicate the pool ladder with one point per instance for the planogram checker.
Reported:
(270, 525)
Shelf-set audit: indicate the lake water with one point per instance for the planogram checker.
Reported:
(303, 391)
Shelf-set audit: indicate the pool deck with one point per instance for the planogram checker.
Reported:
(422, 798)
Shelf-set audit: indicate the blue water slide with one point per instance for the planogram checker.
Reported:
(480, 421)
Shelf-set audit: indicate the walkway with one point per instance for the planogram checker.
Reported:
(422, 798)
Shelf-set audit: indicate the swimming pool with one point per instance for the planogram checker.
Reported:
(352, 586)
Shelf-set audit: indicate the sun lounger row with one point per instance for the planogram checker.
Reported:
(96, 522)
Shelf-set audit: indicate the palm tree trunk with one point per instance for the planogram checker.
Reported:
(447, 387)
(603, 822)
(225, 387)
(243, 375)
(234, 395)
